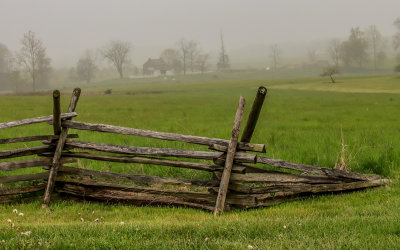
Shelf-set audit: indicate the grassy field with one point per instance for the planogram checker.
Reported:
(301, 121)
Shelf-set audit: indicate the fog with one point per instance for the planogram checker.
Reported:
(67, 28)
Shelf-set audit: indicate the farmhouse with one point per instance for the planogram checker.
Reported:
(155, 67)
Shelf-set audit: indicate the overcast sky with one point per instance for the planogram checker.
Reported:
(69, 27)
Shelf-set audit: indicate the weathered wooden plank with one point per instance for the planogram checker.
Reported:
(35, 120)
(226, 174)
(22, 190)
(291, 189)
(277, 177)
(34, 138)
(25, 177)
(138, 178)
(56, 112)
(57, 154)
(312, 169)
(199, 196)
(30, 163)
(153, 161)
(173, 152)
(141, 199)
(23, 152)
(253, 115)
(160, 135)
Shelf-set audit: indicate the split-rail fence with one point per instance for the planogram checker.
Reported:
(236, 181)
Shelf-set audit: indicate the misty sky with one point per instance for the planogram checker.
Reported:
(69, 27)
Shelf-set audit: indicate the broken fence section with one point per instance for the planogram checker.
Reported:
(235, 181)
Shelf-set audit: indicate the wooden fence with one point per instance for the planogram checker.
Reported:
(236, 181)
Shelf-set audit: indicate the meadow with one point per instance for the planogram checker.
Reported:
(302, 121)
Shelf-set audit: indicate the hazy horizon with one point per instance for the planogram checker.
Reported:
(67, 28)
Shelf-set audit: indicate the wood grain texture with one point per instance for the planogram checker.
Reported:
(160, 135)
(317, 170)
(57, 154)
(253, 115)
(34, 138)
(35, 120)
(226, 174)
(173, 152)
(152, 161)
(23, 152)
(30, 163)
(137, 178)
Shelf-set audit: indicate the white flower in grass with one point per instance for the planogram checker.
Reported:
(122, 223)
(206, 239)
(27, 233)
(3, 241)
(12, 225)
(21, 214)
(250, 247)
(96, 220)
(284, 227)
(9, 221)
(82, 220)
(15, 211)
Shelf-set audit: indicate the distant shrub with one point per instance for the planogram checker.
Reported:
(108, 92)
(397, 68)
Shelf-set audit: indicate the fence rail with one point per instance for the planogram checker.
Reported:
(235, 182)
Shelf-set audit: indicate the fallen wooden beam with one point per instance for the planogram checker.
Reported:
(22, 190)
(198, 196)
(34, 138)
(312, 169)
(140, 199)
(29, 163)
(173, 152)
(278, 177)
(25, 177)
(35, 120)
(160, 135)
(23, 152)
(137, 177)
(152, 161)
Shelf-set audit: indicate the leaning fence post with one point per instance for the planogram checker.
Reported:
(254, 114)
(230, 155)
(57, 153)
(56, 112)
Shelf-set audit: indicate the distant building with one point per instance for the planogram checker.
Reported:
(155, 67)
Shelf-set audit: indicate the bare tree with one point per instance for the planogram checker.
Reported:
(33, 57)
(86, 67)
(184, 52)
(354, 49)
(334, 51)
(376, 44)
(330, 71)
(275, 54)
(117, 53)
(396, 37)
(172, 58)
(223, 60)
(193, 51)
(5, 58)
(202, 62)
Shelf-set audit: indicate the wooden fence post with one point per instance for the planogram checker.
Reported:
(56, 112)
(57, 154)
(254, 114)
(230, 155)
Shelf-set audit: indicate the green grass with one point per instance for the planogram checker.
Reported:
(301, 122)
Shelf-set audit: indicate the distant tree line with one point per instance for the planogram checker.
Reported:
(29, 68)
